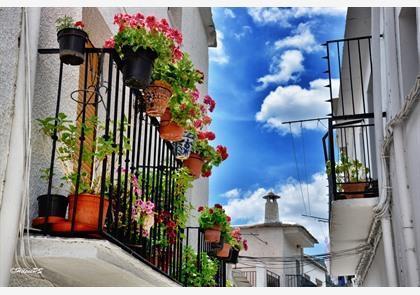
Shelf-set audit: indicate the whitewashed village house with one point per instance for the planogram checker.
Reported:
(375, 232)
(29, 83)
(276, 254)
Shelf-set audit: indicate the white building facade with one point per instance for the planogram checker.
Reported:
(375, 233)
(29, 91)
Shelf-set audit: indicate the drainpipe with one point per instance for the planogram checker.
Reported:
(16, 170)
(379, 136)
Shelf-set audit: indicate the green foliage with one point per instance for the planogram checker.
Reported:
(67, 22)
(347, 170)
(182, 208)
(213, 216)
(184, 109)
(191, 276)
(208, 153)
(68, 148)
(180, 75)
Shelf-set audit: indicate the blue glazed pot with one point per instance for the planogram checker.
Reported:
(183, 148)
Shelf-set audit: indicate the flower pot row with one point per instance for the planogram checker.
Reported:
(86, 215)
(225, 242)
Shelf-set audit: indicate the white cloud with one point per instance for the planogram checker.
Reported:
(249, 208)
(245, 30)
(286, 68)
(233, 193)
(218, 54)
(283, 16)
(303, 39)
(292, 102)
(229, 13)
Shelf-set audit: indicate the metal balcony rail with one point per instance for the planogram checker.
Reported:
(348, 156)
(195, 238)
(350, 60)
(298, 281)
(140, 167)
(273, 280)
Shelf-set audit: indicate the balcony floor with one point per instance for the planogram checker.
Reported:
(349, 228)
(68, 262)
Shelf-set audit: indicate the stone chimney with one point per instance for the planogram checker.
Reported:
(271, 208)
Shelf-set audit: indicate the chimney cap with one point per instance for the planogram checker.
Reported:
(272, 196)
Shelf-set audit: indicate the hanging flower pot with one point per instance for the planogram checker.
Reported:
(233, 256)
(169, 130)
(157, 97)
(183, 148)
(87, 210)
(194, 163)
(137, 66)
(212, 235)
(72, 45)
(224, 252)
(57, 205)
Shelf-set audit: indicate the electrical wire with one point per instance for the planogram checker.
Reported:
(297, 168)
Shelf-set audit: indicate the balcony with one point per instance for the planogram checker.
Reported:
(349, 149)
(135, 166)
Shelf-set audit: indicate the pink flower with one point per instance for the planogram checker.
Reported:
(195, 94)
(210, 135)
(206, 120)
(210, 102)
(197, 124)
(177, 54)
(245, 243)
(151, 22)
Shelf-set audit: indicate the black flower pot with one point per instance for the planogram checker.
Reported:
(72, 46)
(58, 206)
(137, 67)
(233, 256)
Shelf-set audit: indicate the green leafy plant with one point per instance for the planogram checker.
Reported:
(211, 156)
(67, 22)
(192, 276)
(138, 31)
(68, 147)
(348, 171)
(182, 208)
(214, 216)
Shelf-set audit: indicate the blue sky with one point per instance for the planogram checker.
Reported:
(266, 69)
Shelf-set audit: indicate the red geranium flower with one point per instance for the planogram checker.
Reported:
(201, 208)
(211, 211)
(79, 24)
(245, 243)
(210, 135)
(228, 218)
(218, 206)
(206, 173)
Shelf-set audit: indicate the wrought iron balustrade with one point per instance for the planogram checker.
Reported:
(349, 144)
(273, 279)
(141, 166)
(298, 281)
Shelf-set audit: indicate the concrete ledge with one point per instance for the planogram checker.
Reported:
(85, 262)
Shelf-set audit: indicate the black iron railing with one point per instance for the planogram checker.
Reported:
(298, 281)
(273, 280)
(141, 166)
(349, 141)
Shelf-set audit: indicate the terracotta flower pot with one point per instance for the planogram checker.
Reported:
(169, 130)
(87, 210)
(354, 187)
(224, 252)
(212, 235)
(157, 97)
(194, 163)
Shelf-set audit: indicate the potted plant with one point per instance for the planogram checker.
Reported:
(71, 39)
(139, 42)
(237, 244)
(182, 111)
(350, 176)
(68, 134)
(166, 77)
(214, 222)
(183, 147)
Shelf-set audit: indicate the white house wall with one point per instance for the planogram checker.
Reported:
(377, 275)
